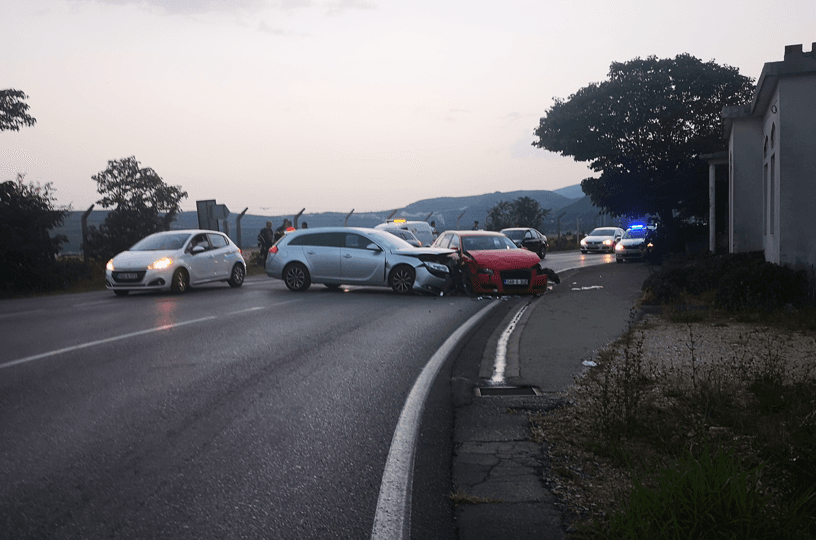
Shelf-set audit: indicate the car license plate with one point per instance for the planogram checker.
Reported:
(515, 282)
(127, 275)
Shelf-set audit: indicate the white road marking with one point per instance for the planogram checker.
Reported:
(392, 519)
(500, 363)
(102, 341)
(247, 310)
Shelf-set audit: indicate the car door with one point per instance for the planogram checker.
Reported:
(220, 255)
(360, 264)
(322, 254)
(202, 265)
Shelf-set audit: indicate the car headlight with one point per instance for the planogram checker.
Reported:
(109, 266)
(436, 267)
(608, 242)
(620, 247)
(583, 241)
(485, 271)
(162, 264)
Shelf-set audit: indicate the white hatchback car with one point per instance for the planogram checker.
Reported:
(175, 261)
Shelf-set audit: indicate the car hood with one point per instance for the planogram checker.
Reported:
(631, 242)
(416, 251)
(137, 259)
(598, 238)
(505, 259)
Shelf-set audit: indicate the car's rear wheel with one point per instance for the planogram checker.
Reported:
(236, 276)
(402, 279)
(121, 293)
(181, 281)
(296, 277)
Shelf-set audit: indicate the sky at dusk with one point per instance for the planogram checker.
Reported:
(277, 105)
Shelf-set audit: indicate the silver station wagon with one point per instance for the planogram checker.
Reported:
(336, 256)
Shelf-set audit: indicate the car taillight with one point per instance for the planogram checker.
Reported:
(273, 250)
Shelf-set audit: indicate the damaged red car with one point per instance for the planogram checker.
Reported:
(488, 262)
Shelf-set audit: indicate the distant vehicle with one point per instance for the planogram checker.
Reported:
(336, 256)
(405, 234)
(633, 243)
(528, 238)
(486, 262)
(420, 229)
(175, 261)
(602, 239)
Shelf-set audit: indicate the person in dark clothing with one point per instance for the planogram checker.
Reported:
(265, 240)
(304, 226)
(475, 226)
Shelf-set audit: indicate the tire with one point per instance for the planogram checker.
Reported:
(296, 277)
(583, 251)
(181, 281)
(236, 278)
(402, 279)
(120, 293)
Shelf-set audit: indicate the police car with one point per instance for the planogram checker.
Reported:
(633, 244)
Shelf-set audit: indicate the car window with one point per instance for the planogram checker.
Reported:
(356, 241)
(199, 240)
(323, 239)
(604, 232)
(635, 233)
(481, 243)
(218, 241)
(528, 235)
(515, 235)
(156, 242)
(454, 241)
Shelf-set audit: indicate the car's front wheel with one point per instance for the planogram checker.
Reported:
(181, 281)
(236, 276)
(296, 277)
(402, 279)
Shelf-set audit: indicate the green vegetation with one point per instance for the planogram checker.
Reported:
(523, 212)
(705, 445)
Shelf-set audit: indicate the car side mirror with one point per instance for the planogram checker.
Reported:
(198, 249)
(373, 247)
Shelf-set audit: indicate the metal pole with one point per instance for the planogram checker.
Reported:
(458, 218)
(294, 221)
(238, 227)
(84, 222)
(345, 222)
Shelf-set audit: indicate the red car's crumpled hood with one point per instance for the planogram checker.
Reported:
(505, 259)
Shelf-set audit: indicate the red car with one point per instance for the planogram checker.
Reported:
(490, 263)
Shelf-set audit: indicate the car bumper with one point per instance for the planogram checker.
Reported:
(598, 249)
(504, 284)
(628, 254)
(144, 280)
(433, 283)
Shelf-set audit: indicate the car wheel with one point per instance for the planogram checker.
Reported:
(296, 277)
(121, 293)
(181, 281)
(236, 276)
(402, 279)
(583, 251)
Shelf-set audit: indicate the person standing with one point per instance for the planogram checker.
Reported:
(265, 240)
(476, 225)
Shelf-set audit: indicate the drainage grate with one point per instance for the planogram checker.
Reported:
(507, 391)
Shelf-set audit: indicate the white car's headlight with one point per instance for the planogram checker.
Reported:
(436, 267)
(608, 242)
(109, 266)
(162, 264)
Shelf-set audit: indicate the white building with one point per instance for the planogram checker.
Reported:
(771, 167)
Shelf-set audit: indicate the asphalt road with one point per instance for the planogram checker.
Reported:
(253, 413)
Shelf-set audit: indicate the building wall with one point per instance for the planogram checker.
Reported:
(745, 185)
(796, 174)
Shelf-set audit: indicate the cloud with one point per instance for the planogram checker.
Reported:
(195, 7)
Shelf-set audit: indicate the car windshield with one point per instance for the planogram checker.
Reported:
(481, 243)
(514, 235)
(161, 242)
(635, 233)
(386, 239)
(603, 232)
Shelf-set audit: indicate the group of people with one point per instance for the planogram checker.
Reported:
(267, 237)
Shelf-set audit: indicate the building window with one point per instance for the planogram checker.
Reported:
(765, 198)
(771, 205)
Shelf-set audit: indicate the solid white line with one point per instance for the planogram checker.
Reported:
(247, 310)
(392, 519)
(101, 341)
(500, 363)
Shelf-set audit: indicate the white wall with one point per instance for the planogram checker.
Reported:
(745, 185)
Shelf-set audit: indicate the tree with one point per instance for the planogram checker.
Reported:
(137, 196)
(14, 111)
(643, 130)
(523, 212)
(28, 252)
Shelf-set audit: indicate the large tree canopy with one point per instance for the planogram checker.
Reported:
(523, 212)
(137, 196)
(14, 111)
(643, 129)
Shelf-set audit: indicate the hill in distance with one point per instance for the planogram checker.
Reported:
(446, 212)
